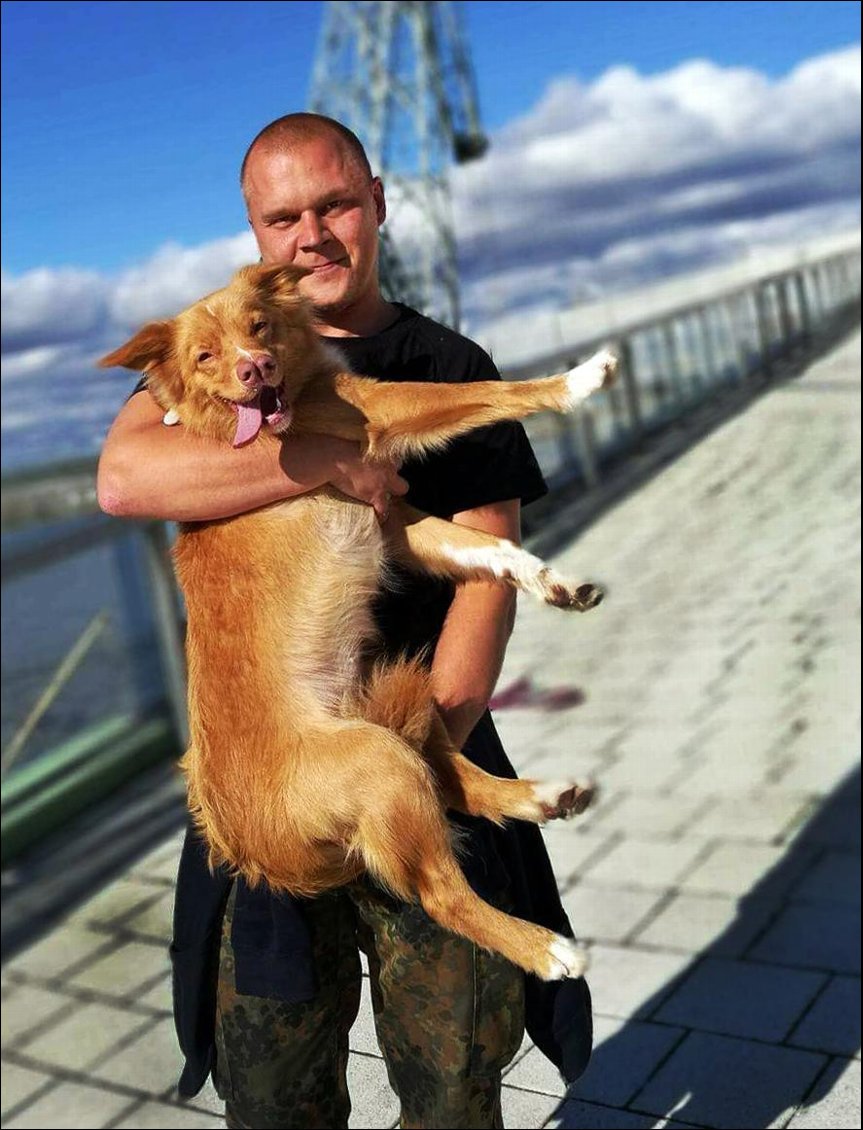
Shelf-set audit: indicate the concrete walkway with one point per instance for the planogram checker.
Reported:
(714, 696)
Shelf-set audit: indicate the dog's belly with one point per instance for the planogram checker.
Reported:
(340, 626)
(279, 606)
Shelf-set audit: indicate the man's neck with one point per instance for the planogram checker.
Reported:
(361, 319)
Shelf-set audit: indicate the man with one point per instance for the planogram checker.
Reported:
(448, 1017)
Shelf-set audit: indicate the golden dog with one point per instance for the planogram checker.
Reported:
(310, 763)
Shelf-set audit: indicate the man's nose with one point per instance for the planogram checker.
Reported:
(311, 231)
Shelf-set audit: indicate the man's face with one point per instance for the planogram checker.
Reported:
(315, 207)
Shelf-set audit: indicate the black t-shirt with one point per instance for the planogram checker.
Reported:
(490, 464)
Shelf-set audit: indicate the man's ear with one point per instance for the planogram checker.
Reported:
(151, 351)
(380, 200)
(151, 345)
(276, 281)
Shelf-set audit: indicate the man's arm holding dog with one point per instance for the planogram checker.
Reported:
(472, 645)
(150, 471)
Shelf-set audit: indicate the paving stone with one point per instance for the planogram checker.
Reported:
(526, 1109)
(156, 919)
(625, 1053)
(653, 864)
(833, 1022)
(69, 1106)
(206, 1100)
(767, 817)
(724, 1082)
(124, 971)
(607, 913)
(362, 1036)
(160, 996)
(27, 1006)
(628, 982)
(571, 846)
(575, 1114)
(84, 1037)
(372, 1099)
(741, 999)
(114, 903)
(813, 937)
(628, 773)
(152, 1062)
(711, 775)
(157, 1116)
(836, 878)
(167, 851)
(649, 814)
(58, 952)
(747, 869)
(19, 1083)
(835, 1104)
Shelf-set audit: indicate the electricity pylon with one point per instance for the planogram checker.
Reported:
(398, 73)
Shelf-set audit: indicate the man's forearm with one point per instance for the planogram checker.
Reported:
(151, 471)
(470, 654)
(186, 478)
(472, 645)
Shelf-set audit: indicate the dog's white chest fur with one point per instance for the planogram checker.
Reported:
(352, 560)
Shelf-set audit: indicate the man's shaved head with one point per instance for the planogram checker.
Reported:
(285, 133)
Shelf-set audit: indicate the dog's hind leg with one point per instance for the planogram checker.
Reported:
(399, 697)
(467, 788)
(404, 840)
(444, 549)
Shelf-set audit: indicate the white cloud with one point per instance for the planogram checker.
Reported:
(601, 186)
(176, 276)
(45, 306)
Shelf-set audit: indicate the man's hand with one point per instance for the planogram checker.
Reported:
(374, 483)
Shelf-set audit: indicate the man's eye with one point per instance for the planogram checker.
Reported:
(258, 327)
(204, 356)
(333, 205)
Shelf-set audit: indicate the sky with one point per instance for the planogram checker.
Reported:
(628, 141)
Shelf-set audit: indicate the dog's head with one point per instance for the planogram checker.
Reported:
(234, 360)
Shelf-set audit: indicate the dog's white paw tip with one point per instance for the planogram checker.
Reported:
(566, 959)
(606, 359)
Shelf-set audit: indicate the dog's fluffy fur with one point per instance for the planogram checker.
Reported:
(309, 762)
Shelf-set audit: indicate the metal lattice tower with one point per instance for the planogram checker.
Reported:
(399, 75)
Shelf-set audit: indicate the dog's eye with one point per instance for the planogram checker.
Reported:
(257, 327)
(202, 357)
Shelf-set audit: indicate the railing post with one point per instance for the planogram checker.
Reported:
(803, 304)
(708, 345)
(738, 361)
(785, 330)
(630, 387)
(168, 624)
(586, 441)
(762, 328)
(673, 354)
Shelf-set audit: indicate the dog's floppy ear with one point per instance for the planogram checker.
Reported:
(151, 351)
(277, 281)
(151, 345)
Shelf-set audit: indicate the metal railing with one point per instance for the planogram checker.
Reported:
(109, 584)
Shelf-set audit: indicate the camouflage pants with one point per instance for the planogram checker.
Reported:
(449, 1018)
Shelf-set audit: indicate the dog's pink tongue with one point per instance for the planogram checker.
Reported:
(248, 422)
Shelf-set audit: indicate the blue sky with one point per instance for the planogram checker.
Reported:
(124, 123)
(630, 142)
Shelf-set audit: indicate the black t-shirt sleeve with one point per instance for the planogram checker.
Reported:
(491, 464)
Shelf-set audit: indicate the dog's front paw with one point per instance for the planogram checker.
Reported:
(574, 596)
(559, 800)
(596, 373)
